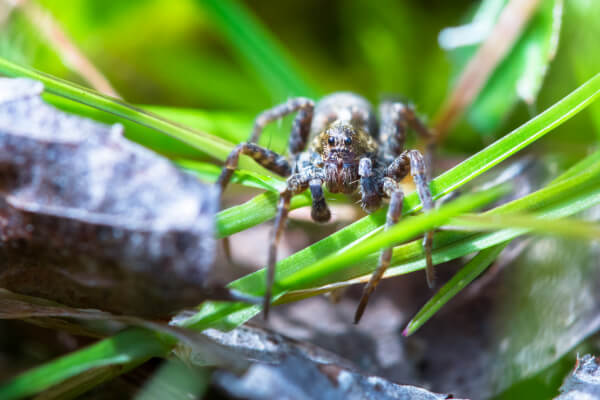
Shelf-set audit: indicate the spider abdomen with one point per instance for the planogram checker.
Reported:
(345, 106)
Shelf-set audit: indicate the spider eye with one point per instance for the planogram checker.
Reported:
(331, 140)
(348, 141)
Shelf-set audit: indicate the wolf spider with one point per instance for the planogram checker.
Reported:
(347, 153)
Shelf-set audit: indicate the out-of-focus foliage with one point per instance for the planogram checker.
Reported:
(520, 74)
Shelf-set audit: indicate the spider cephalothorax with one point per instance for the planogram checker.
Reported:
(347, 154)
(341, 146)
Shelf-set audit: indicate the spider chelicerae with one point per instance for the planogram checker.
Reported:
(348, 153)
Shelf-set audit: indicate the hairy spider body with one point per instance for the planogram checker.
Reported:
(349, 152)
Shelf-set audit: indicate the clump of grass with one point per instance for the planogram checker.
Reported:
(349, 255)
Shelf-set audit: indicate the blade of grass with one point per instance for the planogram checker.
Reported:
(564, 227)
(459, 281)
(209, 173)
(255, 44)
(128, 348)
(582, 165)
(205, 143)
(202, 142)
(261, 207)
(175, 380)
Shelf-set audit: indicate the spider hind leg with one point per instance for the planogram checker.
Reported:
(419, 172)
(296, 184)
(413, 161)
(394, 192)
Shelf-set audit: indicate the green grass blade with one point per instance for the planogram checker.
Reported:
(529, 224)
(261, 207)
(205, 143)
(565, 227)
(459, 281)
(210, 172)
(176, 380)
(582, 165)
(256, 45)
(130, 347)
(576, 203)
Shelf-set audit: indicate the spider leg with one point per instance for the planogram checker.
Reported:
(370, 198)
(414, 162)
(319, 210)
(418, 170)
(396, 117)
(300, 126)
(392, 190)
(296, 185)
(265, 157)
(283, 208)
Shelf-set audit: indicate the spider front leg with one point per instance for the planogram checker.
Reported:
(392, 190)
(300, 126)
(369, 186)
(319, 210)
(267, 158)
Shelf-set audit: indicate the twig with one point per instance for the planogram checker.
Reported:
(68, 51)
(512, 21)
(6, 9)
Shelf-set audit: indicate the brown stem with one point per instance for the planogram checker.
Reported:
(68, 51)
(512, 21)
